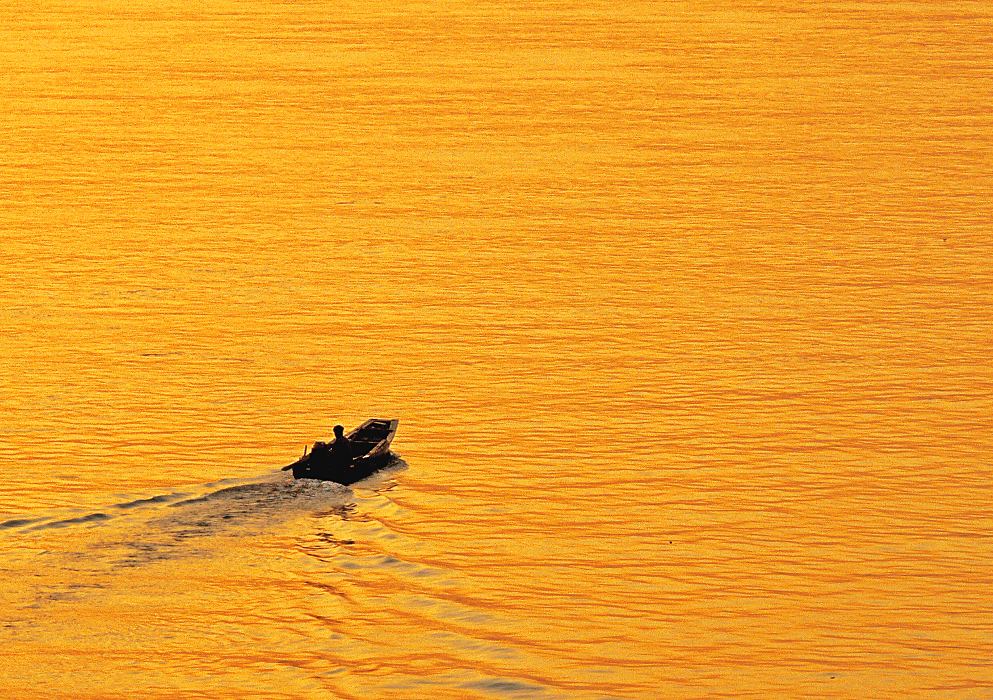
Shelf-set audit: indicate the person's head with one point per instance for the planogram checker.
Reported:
(339, 430)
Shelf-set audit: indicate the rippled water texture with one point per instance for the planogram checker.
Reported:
(684, 309)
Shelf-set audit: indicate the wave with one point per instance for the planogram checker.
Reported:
(269, 497)
(193, 521)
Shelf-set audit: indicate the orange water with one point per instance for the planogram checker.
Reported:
(684, 309)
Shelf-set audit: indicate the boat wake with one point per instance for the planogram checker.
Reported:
(151, 528)
(249, 499)
(268, 496)
(66, 556)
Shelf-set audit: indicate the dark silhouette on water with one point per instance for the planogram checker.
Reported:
(341, 449)
(351, 457)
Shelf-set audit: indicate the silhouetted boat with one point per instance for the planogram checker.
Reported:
(370, 452)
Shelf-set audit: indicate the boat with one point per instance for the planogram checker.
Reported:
(370, 452)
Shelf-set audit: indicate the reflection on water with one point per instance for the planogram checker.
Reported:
(684, 308)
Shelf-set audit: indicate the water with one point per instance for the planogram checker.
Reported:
(684, 309)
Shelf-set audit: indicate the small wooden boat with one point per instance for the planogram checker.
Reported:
(370, 452)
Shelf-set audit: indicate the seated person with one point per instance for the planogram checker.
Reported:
(341, 448)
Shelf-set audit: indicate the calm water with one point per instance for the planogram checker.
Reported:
(685, 309)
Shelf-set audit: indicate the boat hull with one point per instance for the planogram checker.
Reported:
(362, 469)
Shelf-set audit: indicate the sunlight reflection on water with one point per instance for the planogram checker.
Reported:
(685, 310)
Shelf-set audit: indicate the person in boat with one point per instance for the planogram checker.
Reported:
(341, 448)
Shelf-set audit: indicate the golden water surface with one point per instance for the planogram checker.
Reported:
(685, 308)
